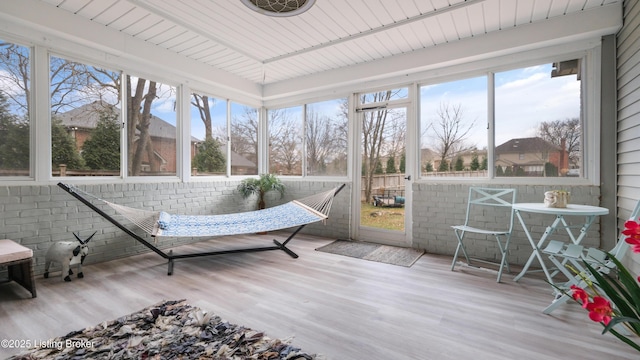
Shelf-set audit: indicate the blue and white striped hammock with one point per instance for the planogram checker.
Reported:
(295, 213)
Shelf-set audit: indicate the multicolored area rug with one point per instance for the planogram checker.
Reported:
(393, 255)
(168, 330)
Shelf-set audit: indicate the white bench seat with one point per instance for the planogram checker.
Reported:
(19, 262)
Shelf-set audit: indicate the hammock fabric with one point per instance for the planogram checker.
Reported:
(294, 213)
(158, 223)
(280, 217)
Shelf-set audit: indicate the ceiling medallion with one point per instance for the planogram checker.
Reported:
(279, 8)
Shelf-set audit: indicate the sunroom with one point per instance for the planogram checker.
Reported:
(169, 105)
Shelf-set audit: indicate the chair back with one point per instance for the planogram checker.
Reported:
(484, 205)
(622, 246)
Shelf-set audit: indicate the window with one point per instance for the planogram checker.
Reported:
(313, 137)
(244, 140)
(383, 134)
(208, 135)
(151, 128)
(453, 123)
(326, 138)
(538, 120)
(15, 87)
(85, 119)
(385, 96)
(285, 141)
(538, 124)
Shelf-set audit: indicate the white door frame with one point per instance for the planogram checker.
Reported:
(380, 235)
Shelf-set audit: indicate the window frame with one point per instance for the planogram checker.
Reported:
(187, 159)
(450, 79)
(303, 104)
(589, 51)
(31, 113)
(261, 138)
(301, 147)
(122, 114)
(590, 103)
(305, 166)
(180, 128)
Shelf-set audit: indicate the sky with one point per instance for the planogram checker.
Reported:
(218, 109)
(523, 98)
(219, 113)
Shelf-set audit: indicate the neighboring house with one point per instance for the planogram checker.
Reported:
(82, 120)
(530, 155)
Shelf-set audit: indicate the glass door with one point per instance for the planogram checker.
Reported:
(383, 191)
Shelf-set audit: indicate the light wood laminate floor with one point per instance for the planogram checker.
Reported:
(340, 307)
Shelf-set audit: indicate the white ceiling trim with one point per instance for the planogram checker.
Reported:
(340, 45)
(376, 30)
(586, 25)
(164, 14)
(56, 27)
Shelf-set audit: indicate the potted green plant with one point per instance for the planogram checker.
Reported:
(260, 186)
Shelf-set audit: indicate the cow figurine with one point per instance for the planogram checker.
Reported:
(67, 254)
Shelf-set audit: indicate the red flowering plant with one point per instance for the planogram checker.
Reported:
(614, 300)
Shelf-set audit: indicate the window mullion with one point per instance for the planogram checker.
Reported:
(491, 122)
(40, 116)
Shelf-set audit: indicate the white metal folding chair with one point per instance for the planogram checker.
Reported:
(489, 213)
(563, 255)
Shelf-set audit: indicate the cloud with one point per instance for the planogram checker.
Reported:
(526, 99)
(523, 99)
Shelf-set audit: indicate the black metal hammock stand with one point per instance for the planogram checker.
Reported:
(294, 214)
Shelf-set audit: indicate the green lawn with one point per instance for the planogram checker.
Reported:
(390, 218)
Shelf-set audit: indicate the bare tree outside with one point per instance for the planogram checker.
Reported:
(449, 131)
(380, 136)
(453, 125)
(341, 137)
(538, 113)
(326, 142)
(139, 141)
(208, 156)
(74, 84)
(15, 65)
(244, 135)
(15, 62)
(319, 139)
(201, 103)
(79, 94)
(395, 147)
(565, 133)
(285, 141)
(217, 126)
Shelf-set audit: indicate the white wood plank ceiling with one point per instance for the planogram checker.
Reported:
(333, 34)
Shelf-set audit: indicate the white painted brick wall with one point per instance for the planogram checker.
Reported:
(37, 216)
(436, 207)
